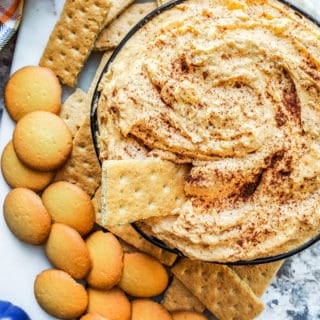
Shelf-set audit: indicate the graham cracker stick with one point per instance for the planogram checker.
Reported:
(177, 297)
(116, 7)
(111, 36)
(161, 2)
(74, 110)
(128, 234)
(219, 288)
(104, 59)
(138, 189)
(73, 37)
(259, 276)
(82, 168)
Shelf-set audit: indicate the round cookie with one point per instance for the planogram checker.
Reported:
(42, 141)
(143, 276)
(93, 316)
(146, 309)
(60, 295)
(188, 315)
(26, 216)
(18, 175)
(111, 304)
(67, 251)
(32, 88)
(69, 204)
(106, 254)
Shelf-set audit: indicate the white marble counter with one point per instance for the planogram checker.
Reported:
(292, 295)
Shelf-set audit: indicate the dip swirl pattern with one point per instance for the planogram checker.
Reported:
(232, 89)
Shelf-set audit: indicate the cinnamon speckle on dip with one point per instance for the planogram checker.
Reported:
(233, 88)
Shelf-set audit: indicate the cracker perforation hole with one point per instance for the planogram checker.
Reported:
(186, 271)
(204, 288)
(151, 205)
(165, 188)
(75, 51)
(86, 164)
(205, 276)
(218, 305)
(81, 146)
(71, 165)
(153, 176)
(234, 291)
(82, 10)
(122, 209)
(219, 289)
(123, 180)
(68, 17)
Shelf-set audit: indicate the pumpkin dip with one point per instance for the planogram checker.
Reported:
(231, 89)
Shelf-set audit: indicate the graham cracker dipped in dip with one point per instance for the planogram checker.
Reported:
(232, 89)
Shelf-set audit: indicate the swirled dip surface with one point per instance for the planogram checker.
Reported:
(231, 88)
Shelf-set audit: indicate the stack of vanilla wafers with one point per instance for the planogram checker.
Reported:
(226, 292)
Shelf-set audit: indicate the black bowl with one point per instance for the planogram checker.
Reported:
(95, 132)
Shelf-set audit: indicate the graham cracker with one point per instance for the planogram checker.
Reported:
(128, 234)
(74, 110)
(116, 7)
(73, 37)
(127, 248)
(259, 276)
(177, 297)
(82, 167)
(138, 189)
(219, 288)
(111, 36)
(104, 59)
(161, 2)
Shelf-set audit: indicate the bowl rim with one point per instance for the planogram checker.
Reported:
(95, 130)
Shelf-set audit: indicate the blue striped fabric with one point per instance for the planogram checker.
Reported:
(10, 17)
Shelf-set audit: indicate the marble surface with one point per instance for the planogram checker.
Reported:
(292, 295)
